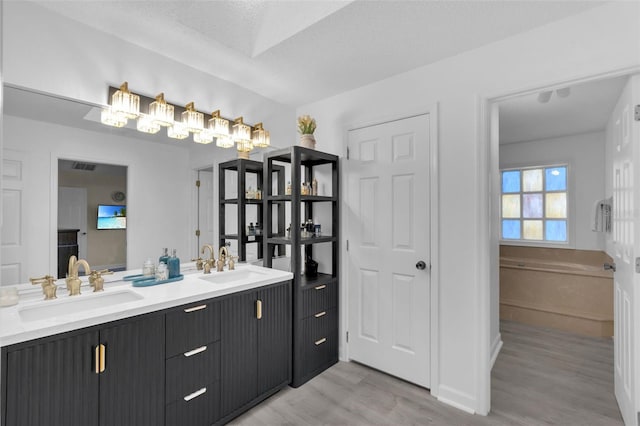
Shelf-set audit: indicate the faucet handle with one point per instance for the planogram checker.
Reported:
(48, 287)
(232, 262)
(199, 263)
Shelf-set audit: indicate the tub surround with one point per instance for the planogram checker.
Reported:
(558, 288)
(14, 329)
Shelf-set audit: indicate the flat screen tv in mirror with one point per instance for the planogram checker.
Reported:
(112, 217)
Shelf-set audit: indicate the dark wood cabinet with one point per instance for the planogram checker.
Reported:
(198, 364)
(315, 298)
(57, 381)
(256, 351)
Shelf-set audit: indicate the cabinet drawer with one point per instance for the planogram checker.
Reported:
(192, 326)
(192, 370)
(320, 340)
(200, 410)
(319, 298)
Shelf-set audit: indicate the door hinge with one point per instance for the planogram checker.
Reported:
(347, 337)
(347, 245)
(198, 183)
(636, 113)
(347, 153)
(197, 232)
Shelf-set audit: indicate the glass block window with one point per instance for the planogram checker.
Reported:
(534, 204)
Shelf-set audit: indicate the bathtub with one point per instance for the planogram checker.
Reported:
(557, 288)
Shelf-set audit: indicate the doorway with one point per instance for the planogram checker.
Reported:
(562, 126)
(92, 214)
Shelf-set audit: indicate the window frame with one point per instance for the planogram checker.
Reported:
(570, 243)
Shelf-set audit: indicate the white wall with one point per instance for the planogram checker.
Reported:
(585, 154)
(158, 206)
(600, 40)
(64, 57)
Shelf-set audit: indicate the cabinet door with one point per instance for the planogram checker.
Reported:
(274, 338)
(132, 384)
(238, 351)
(53, 383)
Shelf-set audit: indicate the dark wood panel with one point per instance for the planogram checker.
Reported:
(189, 330)
(202, 410)
(53, 383)
(185, 374)
(239, 366)
(132, 386)
(274, 337)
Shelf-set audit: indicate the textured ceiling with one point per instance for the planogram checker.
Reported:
(296, 52)
(586, 109)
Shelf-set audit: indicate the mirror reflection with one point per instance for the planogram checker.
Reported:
(92, 214)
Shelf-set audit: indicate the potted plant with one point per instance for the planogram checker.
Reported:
(306, 127)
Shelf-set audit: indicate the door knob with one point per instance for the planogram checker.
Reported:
(421, 265)
(610, 266)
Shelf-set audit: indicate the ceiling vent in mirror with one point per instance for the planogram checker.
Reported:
(83, 166)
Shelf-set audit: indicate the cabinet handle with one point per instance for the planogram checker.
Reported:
(195, 394)
(96, 352)
(320, 314)
(259, 309)
(103, 351)
(321, 287)
(196, 308)
(195, 351)
(321, 341)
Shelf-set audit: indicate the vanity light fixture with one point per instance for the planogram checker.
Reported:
(161, 112)
(111, 118)
(193, 120)
(177, 131)
(261, 137)
(158, 113)
(125, 102)
(146, 124)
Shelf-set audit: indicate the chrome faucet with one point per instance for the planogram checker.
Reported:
(222, 258)
(48, 287)
(73, 282)
(208, 263)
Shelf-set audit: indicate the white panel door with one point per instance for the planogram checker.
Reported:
(72, 214)
(625, 133)
(389, 231)
(14, 250)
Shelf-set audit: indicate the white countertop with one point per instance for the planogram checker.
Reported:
(16, 327)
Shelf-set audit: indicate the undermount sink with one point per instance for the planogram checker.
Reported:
(75, 304)
(233, 276)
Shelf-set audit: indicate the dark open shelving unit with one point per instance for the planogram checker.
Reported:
(315, 300)
(242, 167)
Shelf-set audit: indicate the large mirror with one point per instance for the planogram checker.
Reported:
(44, 136)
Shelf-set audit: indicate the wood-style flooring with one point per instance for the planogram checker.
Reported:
(541, 377)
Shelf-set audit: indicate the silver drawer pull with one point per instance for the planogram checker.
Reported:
(321, 341)
(321, 287)
(195, 351)
(195, 308)
(320, 314)
(195, 394)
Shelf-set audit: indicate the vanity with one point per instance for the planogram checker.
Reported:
(199, 351)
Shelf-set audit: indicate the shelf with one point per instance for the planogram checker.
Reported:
(246, 201)
(308, 157)
(319, 198)
(248, 238)
(303, 241)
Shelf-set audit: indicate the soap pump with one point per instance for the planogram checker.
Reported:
(174, 265)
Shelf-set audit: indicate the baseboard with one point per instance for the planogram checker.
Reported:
(496, 346)
(456, 399)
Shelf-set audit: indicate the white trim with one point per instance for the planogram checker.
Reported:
(453, 398)
(485, 165)
(434, 208)
(496, 347)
